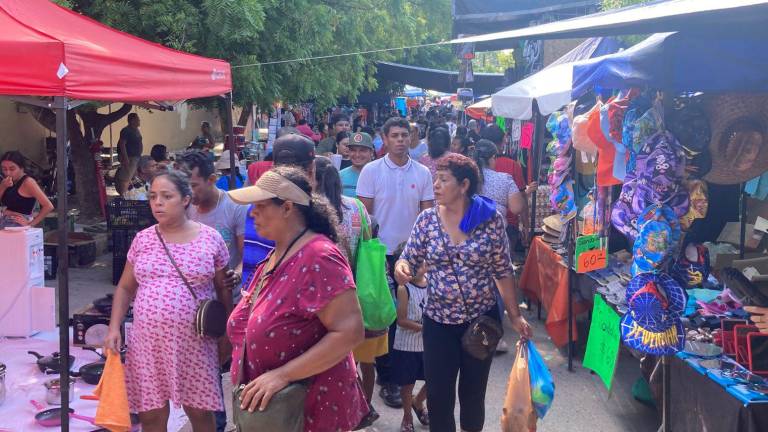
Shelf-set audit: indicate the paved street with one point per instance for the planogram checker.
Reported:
(581, 402)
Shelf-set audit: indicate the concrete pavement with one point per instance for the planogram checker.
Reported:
(581, 401)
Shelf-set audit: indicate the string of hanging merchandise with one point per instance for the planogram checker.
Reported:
(305, 59)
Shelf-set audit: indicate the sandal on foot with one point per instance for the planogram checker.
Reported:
(406, 427)
(422, 415)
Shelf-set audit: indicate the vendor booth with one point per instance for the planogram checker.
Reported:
(58, 59)
(654, 129)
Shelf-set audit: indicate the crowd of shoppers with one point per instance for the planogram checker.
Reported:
(280, 253)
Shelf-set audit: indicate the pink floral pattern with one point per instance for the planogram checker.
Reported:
(284, 325)
(166, 361)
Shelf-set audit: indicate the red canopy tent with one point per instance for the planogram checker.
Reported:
(63, 59)
(47, 50)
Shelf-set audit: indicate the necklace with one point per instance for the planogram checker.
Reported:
(262, 280)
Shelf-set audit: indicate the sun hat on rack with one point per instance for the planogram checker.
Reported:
(554, 223)
(692, 268)
(739, 144)
(652, 324)
(658, 231)
(699, 203)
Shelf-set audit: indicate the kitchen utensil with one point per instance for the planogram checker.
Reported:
(91, 372)
(52, 417)
(51, 362)
(104, 304)
(53, 391)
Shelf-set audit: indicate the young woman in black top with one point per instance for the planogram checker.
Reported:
(19, 193)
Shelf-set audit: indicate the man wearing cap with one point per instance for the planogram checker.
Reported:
(361, 151)
(289, 149)
(224, 167)
(339, 123)
(394, 190)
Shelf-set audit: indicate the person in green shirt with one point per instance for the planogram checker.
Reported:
(361, 152)
(339, 123)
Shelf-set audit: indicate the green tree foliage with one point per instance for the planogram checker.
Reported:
(254, 31)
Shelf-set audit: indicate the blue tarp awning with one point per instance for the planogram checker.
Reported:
(681, 62)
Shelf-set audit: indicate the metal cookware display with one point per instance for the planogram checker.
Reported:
(53, 391)
(104, 304)
(52, 417)
(51, 362)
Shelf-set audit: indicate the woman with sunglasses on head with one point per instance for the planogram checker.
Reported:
(299, 319)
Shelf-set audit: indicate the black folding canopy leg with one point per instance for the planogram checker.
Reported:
(60, 107)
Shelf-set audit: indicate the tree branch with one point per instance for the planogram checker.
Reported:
(115, 116)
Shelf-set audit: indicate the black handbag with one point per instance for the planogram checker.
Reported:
(211, 315)
(484, 333)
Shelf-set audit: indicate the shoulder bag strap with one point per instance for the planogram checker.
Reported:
(365, 231)
(443, 235)
(173, 261)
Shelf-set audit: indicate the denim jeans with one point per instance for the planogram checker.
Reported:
(221, 416)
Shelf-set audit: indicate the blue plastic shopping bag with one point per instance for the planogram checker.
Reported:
(542, 385)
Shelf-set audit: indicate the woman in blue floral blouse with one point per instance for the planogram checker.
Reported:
(465, 246)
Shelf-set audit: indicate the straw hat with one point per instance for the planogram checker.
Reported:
(554, 223)
(739, 144)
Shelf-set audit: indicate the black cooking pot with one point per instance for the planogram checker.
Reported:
(52, 362)
(91, 372)
(104, 304)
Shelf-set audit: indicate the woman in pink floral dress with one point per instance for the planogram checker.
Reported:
(305, 319)
(166, 360)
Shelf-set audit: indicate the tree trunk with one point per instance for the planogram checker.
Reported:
(244, 115)
(81, 157)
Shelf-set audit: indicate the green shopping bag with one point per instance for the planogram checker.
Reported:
(371, 279)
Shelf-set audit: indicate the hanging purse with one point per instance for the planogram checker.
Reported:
(484, 333)
(211, 315)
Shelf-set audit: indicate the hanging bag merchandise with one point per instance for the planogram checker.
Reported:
(518, 413)
(371, 279)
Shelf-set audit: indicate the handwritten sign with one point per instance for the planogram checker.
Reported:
(587, 243)
(590, 255)
(603, 344)
(591, 260)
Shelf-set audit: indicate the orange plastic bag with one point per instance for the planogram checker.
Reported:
(518, 414)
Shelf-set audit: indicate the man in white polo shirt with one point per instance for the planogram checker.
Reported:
(394, 189)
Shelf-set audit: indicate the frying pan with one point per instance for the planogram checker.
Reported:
(104, 304)
(50, 362)
(91, 372)
(52, 417)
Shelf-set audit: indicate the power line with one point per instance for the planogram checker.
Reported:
(304, 59)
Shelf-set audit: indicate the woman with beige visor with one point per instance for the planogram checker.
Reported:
(299, 317)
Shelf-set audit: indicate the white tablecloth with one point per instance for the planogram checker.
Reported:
(24, 382)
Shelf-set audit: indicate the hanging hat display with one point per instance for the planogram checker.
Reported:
(739, 144)
(658, 233)
(699, 203)
(606, 151)
(661, 166)
(580, 137)
(652, 324)
(624, 214)
(692, 268)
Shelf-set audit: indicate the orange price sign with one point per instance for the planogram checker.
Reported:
(591, 260)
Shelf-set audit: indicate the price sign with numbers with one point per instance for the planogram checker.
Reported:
(590, 255)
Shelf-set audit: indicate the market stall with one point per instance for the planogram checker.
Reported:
(658, 142)
(58, 59)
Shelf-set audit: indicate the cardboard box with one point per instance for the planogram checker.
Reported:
(732, 234)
